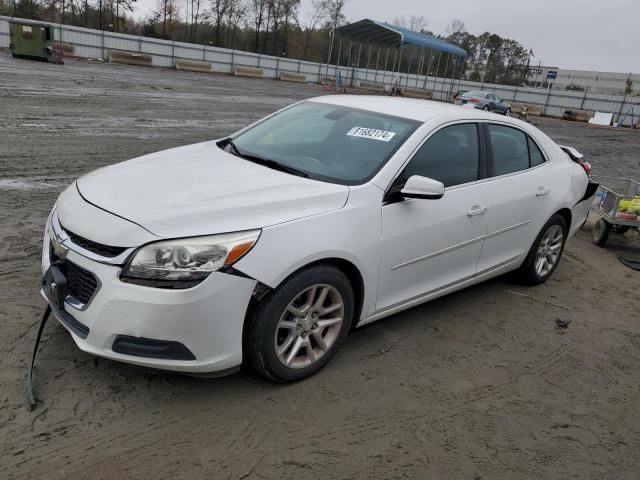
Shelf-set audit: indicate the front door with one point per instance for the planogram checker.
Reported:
(428, 245)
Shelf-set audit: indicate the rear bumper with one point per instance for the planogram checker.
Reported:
(580, 211)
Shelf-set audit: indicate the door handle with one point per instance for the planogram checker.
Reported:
(542, 191)
(476, 210)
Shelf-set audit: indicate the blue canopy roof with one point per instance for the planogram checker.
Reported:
(384, 34)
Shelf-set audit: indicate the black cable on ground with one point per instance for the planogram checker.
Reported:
(30, 398)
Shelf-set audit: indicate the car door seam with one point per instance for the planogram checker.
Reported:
(460, 245)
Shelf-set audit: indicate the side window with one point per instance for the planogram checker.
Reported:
(510, 150)
(491, 96)
(534, 153)
(450, 156)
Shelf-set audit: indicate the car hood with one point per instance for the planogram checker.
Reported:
(202, 190)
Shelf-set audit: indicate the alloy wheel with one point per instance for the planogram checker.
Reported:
(309, 326)
(549, 250)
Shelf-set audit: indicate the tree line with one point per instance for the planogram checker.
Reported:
(278, 27)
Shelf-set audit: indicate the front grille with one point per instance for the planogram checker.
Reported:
(94, 247)
(81, 282)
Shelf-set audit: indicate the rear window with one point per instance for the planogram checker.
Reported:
(534, 152)
(513, 150)
(510, 150)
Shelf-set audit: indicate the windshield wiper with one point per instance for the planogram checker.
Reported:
(264, 161)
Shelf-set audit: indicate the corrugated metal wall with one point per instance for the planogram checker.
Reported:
(95, 44)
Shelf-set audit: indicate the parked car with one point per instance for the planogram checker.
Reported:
(269, 245)
(487, 101)
(457, 95)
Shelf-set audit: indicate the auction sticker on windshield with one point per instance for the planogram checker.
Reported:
(371, 133)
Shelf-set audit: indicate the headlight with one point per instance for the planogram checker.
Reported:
(189, 259)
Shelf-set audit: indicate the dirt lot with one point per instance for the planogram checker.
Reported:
(478, 385)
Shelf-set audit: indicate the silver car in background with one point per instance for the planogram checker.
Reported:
(487, 101)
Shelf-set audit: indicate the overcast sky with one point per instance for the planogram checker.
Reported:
(599, 35)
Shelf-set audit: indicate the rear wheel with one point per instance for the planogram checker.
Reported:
(297, 329)
(486, 108)
(545, 253)
(600, 232)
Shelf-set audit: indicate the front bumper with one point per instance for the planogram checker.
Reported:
(206, 319)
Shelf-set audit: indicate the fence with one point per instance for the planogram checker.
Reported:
(96, 44)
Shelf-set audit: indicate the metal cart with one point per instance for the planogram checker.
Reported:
(610, 193)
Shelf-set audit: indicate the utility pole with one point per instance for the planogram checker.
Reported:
(525, 74)
(535, 82)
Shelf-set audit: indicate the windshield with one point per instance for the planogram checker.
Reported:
(326, 142)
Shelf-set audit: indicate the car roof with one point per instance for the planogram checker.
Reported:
(410, 108)
(475, 92)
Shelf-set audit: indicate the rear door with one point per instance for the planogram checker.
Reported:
(428, 245)
(520, 195)
(495, 103)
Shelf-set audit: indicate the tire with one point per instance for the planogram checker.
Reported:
(530, 272)
(273, 325)
(486, 108)
(507, 113)
(600, 232)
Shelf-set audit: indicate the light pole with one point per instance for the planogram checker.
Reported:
(331, 39)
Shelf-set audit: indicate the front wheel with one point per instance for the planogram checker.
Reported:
(507, 113)
(297, 329)
(545, 253)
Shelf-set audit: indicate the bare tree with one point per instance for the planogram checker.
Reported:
(195, 17)
(235, 13)
(415, 23)
(457, 26)
(219, 10)
(318, 14)
(166, 13)
(289, 13)
(258, 8)
(334, 12)
(126, 5)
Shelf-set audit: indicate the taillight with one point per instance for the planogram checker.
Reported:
(587, 168)
(475, 100)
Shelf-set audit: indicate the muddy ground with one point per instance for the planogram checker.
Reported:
(478, 385)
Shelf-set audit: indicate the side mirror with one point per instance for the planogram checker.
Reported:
(422, 187)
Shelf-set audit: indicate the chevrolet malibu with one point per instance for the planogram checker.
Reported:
(270, 245)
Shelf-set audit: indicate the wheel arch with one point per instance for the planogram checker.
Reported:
(566, 214)
(348, 268)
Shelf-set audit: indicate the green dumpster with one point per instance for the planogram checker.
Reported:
(32, 41)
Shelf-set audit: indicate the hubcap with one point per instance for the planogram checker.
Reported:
(309, 326)
(549, 250)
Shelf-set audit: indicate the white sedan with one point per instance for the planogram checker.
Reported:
(270, 245)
